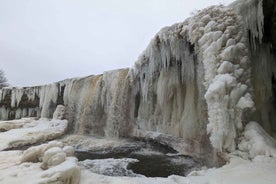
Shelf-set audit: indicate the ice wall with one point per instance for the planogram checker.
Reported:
(205, 77)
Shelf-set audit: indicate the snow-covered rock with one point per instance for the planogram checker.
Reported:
(256, 141)
(69, 151)
(53, 157)
(36, 153)
(67, 172)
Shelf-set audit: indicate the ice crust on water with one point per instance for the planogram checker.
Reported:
(110, 167)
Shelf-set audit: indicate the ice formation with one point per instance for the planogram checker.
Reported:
(202, 86)
(110, 167)
(197, 79)
(59, 112)
(29, 131)
(256, 141)
(46, 163)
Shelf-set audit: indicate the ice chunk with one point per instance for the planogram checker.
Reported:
(59, 112)
(256, 141)
(53, 157)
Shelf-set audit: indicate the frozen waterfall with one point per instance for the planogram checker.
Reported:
(206, 77)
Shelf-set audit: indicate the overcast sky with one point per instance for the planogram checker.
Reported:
(44, 41)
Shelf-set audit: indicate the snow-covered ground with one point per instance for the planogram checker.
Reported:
(46, 163)
(239, 171)
(30, 131)
(259, 171)
(54, 162)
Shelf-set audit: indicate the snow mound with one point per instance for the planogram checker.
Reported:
(13, 124)
(32, 132)
(67, 172)
(55, 161)
(53, 157)
(46, 163)
(35, 153)
(256, 141)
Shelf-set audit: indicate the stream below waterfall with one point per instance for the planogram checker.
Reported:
(149, 159)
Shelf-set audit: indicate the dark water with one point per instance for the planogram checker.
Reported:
(156, 161)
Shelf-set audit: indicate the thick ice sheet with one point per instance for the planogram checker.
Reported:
(32, 132)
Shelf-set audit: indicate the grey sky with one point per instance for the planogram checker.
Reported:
(43, 41)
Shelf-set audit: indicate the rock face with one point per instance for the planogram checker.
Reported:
(205, 77)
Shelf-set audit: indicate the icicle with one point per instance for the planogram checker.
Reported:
(48, 96)
(251, 12)
(227, 93)
(16, 96)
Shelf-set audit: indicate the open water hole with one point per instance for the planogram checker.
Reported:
(153, 160)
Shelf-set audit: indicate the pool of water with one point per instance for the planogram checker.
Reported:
(152, 161)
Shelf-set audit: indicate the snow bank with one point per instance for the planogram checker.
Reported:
(255, 141)
(67, 172)
(9, 159)
(262, 169)
(57, 167)
(238, 171)
(32, 132)
(13, 124)
(35, 153)
(86, 143)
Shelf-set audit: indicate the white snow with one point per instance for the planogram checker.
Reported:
(63, 170)
(13, 124)
(67, 172)
(219, 37)
(53, 157)
(256, 141)
(27, 166)
(32, 132)
(36, 153)
(238, 171)
(85, 142)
